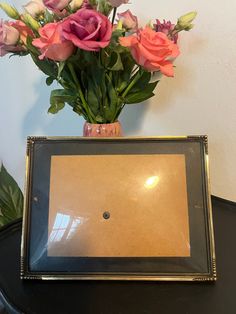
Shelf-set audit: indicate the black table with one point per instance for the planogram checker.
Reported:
(77, 297)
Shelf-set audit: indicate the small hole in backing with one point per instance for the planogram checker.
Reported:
(106, 215)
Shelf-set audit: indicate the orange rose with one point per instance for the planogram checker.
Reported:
(152, 50)
(51, 44)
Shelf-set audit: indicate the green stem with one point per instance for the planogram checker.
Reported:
(173, 33)
(68, 9)
(132, 83)
(114, 15)
(135, 79)
(86, 107)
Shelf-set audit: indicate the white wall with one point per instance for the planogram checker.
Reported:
(201, 99)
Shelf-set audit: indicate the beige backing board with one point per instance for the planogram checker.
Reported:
(145, 197)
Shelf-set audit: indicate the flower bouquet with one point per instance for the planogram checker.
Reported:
(101, 59)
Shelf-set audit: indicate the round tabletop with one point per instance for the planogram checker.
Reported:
(91, 297)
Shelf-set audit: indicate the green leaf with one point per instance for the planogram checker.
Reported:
(142, 95)
(115, 63)
(137, 98)
(49, 80)
(19, 53)
(95, 92)
(99, 119)
(125, 75)
(31, 47)
(92, 97)
(60, 68)
(11, 198)
(114, 42)
(59, 97)
(46, 66)
(48, 16)
(141, 83)
(110, 111)
(83, 59)
(62, 95)
(84, 80)
(77, 110)
(55, 108)
(103, 6)
(4, 221)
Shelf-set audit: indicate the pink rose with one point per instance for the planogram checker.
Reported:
(51, 44)
(87, 29)
(9, 37)
(35, 7)
(117, 3)
(129, 21)
(152, 50)
(56, 5)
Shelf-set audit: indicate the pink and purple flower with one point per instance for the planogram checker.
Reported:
(167, 28)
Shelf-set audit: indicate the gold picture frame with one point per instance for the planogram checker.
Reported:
(118, 209)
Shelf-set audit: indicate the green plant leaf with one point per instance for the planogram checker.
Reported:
(78, 107)
(60, 68)
(99, 119)
(46, 66)
(103, 6)
(110, 111)
(115, 63)
(142, 83)
(11, 198)
(93, 81)
(49, 80)
(59, 97)
(55, 108)
(142, 95)
(92, 97)
(62, 95)
(83, 59)
(4, 221)
(125, 75)
(137, 98)
(19, 53)
(48, 16)
(31, 47)
(114, 42)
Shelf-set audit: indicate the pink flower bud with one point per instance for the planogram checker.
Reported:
(56, 5)
(129, 21)
(35, 7)
(86, 5)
